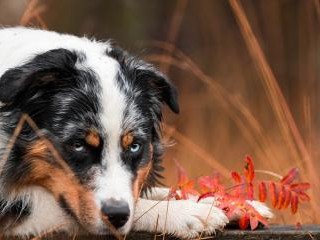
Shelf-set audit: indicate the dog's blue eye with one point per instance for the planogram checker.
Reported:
(135, 148)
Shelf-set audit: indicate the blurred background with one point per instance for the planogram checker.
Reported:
(247, 73)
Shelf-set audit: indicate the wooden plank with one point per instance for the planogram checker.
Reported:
(274, 232)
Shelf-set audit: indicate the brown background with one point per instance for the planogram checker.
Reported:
(228, 108)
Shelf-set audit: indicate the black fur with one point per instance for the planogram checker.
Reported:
(13, 214)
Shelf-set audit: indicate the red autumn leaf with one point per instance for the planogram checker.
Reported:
(206, 195)
(294, 204)
(228, 207)
(188, 189)
(238, 206)
(249, 169)
(300, 187)
(238, 190)
(250, 191)
(290, 177)
(281, 197)
(210, 184)
(262, 191)
(255, 216)
(173, 193)
(236, 177)
(304, 197)
(287, 199)
(274, 193)
(244, 221)
(185, 185)
(253, 222)
(261, 219)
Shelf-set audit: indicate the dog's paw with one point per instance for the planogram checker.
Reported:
(196, 218)
(184, 219)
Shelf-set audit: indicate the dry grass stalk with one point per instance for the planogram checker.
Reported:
(156, 228)
(317, 7)
(235, 107)
(207, 218)
(32, 15)
(165, 221)
(203, 155)
(278, 102)
(112, 229)
(11, 142)
(175, 25)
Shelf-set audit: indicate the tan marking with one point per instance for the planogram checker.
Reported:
(142, 176)
(46, 173)
(93, 139)
(127, 140)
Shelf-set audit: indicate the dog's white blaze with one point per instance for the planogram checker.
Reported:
(116, 181)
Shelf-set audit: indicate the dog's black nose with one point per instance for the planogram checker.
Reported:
(117, 212)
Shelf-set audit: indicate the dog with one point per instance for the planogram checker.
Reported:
(94, 158)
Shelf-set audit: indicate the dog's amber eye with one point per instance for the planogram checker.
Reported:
(134, 148)
(78, 146)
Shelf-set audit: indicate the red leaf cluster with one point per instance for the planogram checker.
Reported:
(234, 200)
(285, 193)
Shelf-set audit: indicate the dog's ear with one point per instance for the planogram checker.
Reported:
(146, 74)
(16, 80)
(159, 83)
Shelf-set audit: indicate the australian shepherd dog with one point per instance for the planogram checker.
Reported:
(89, 155)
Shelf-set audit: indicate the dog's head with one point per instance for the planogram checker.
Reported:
(101, 111)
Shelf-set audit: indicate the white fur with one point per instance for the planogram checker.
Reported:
(262, 209)
(18, 45)
(46, 215)
(115, 179)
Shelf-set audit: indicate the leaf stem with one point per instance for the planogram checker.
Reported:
(269, 173)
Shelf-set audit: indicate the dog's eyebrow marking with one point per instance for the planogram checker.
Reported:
(127, 140)
(93, 138)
